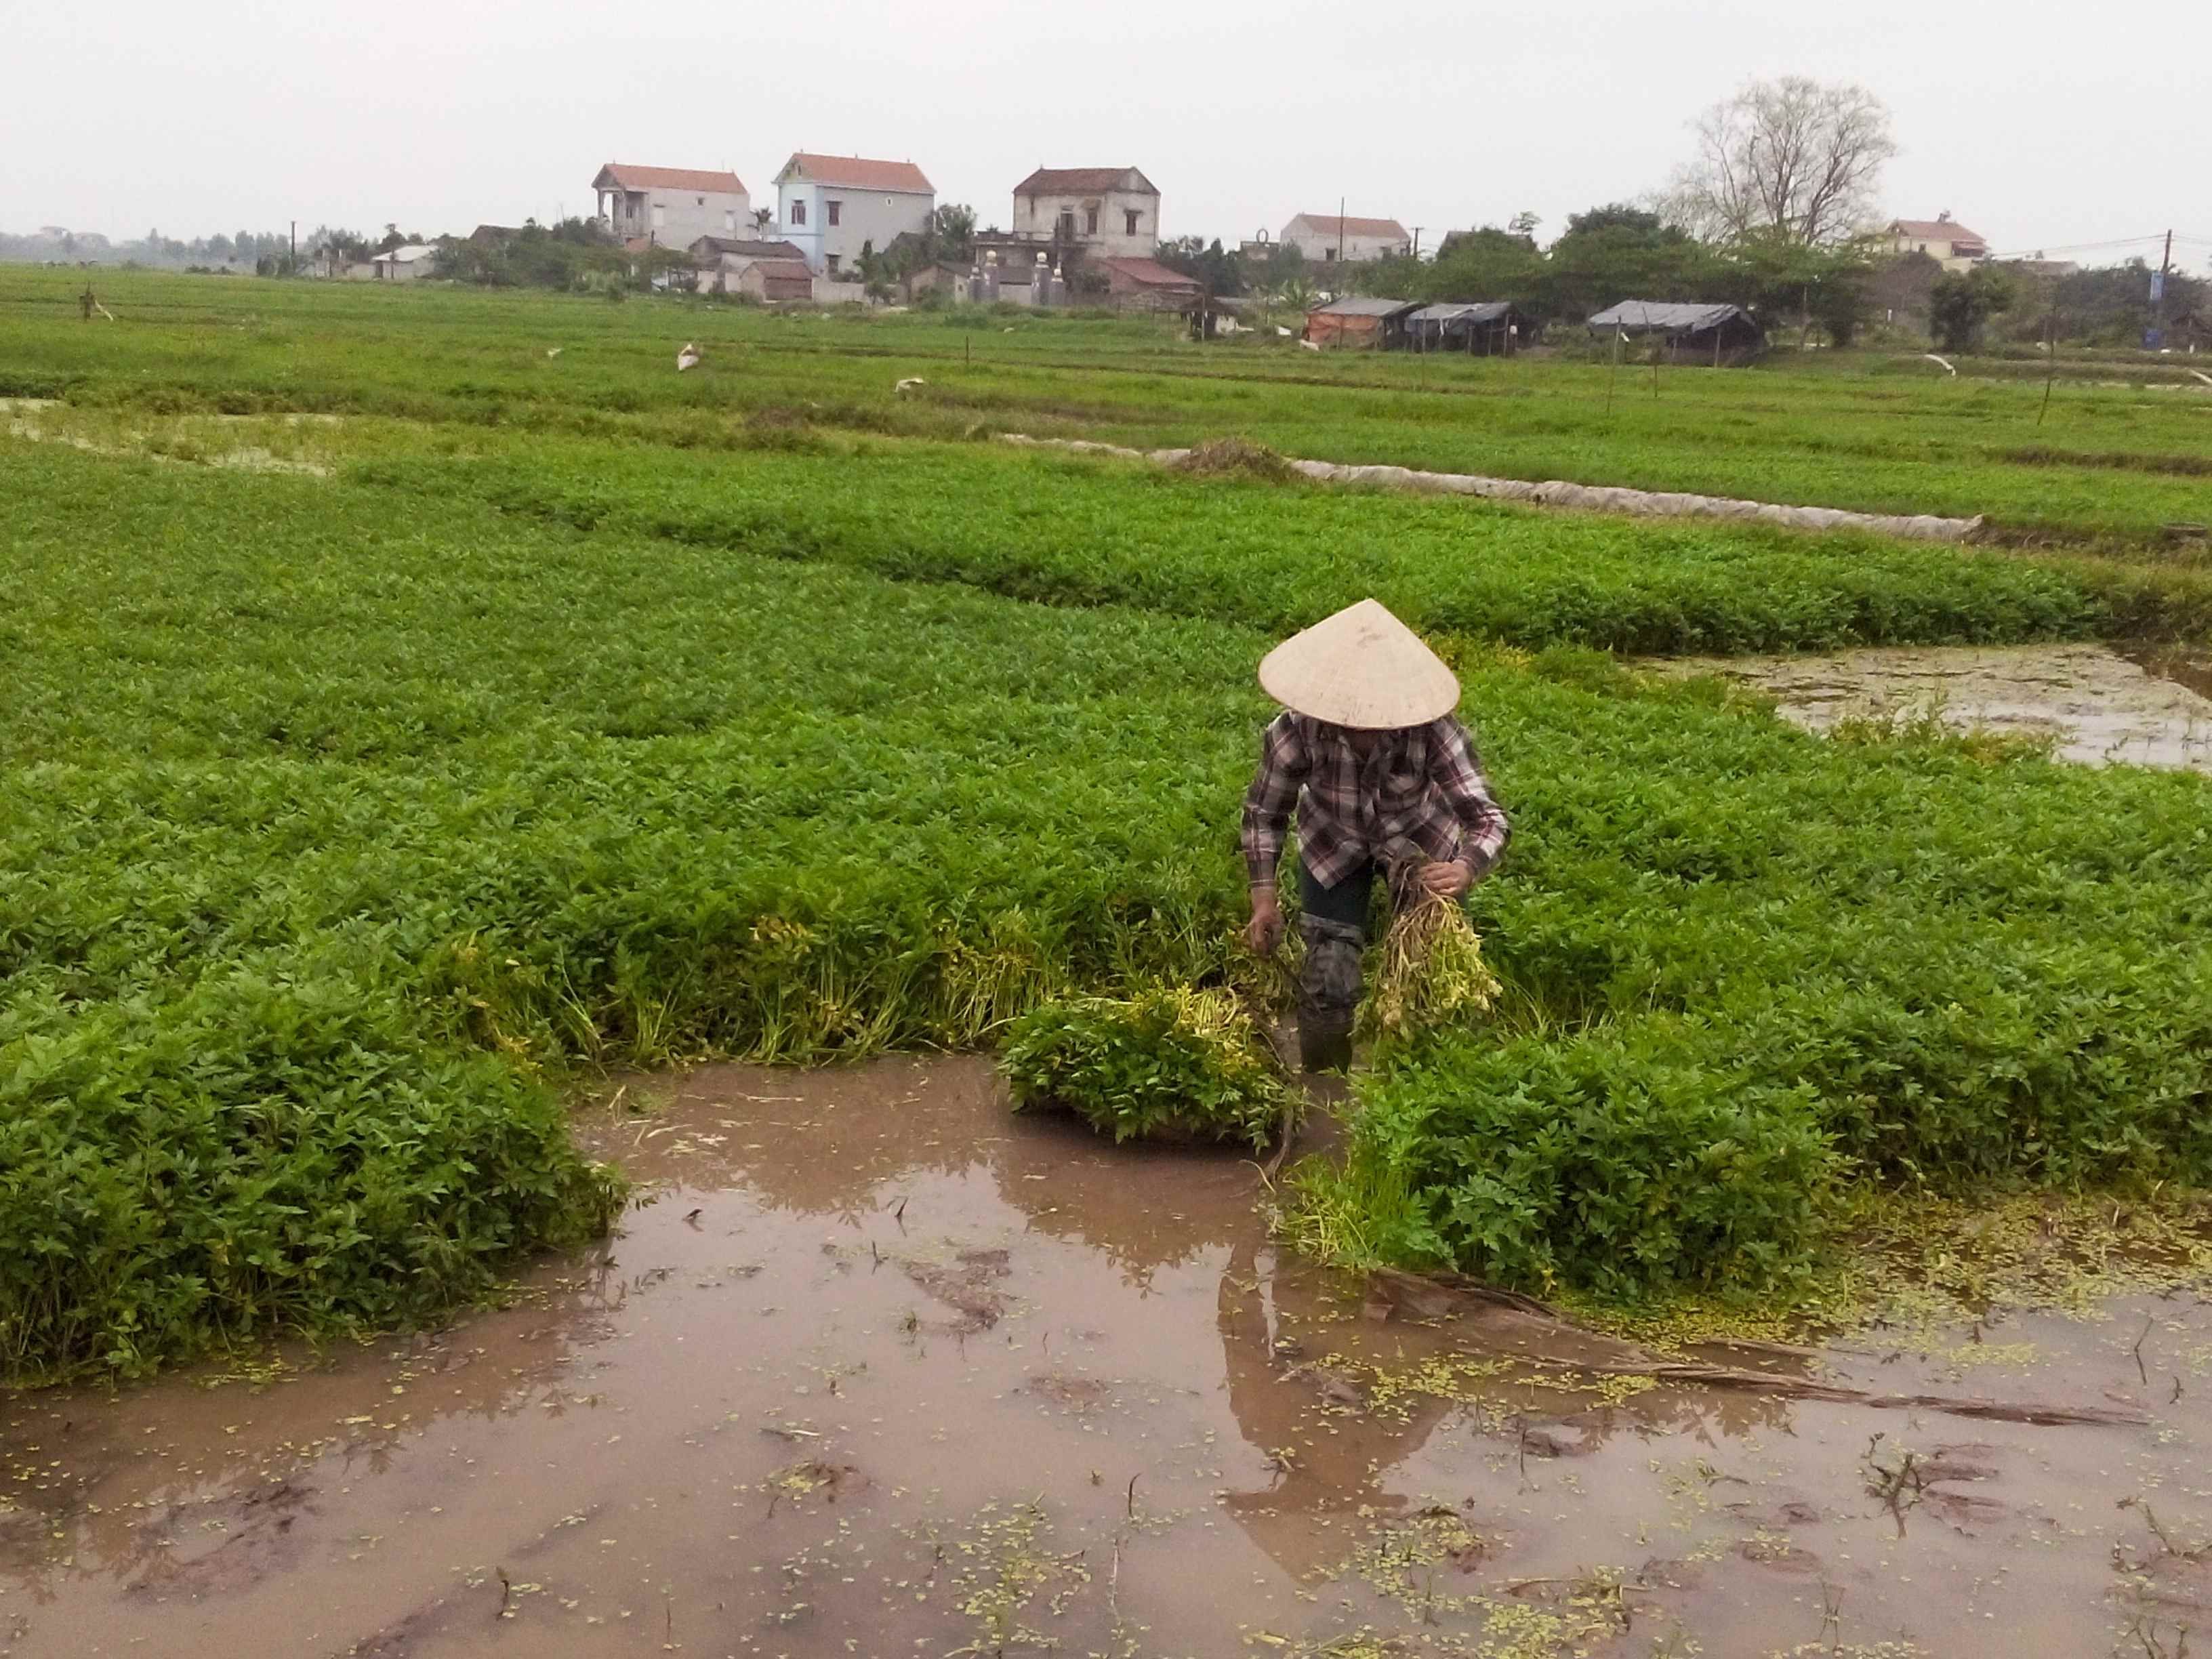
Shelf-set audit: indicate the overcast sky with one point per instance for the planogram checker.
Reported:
(2037, 124)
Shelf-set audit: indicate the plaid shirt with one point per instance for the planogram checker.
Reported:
(1423, 783)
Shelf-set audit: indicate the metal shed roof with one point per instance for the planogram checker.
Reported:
(1483, 311)
(1672, 316)
(1360, 306)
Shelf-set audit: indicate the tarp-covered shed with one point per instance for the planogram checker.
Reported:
(1357, 320)
(1483, 328)
(1691, 333)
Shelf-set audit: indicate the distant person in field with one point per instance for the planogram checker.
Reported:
(1384, 780)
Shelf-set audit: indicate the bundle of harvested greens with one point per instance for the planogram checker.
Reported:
(1430, 971)
(1170, 1061)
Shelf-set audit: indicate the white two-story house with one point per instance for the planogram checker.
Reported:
(1112, 212)
(1943, 238)
(671, 207)
(1325, 238)
(831, 207)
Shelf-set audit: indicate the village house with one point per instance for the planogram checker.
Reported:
(771, 279)
(765, 268)
(831, 207)
(403, 265)
(670, 207)
(1943, 238)
(712, 253)
(1326, 238)
(1095, 211)
(1135, 284)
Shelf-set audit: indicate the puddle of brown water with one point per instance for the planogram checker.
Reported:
(879, 1369)
(2094, 706)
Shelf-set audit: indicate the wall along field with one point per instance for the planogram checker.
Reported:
(365, 775)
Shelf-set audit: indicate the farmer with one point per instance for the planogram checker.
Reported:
(1385, 783)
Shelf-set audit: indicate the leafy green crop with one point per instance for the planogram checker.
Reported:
(1614, 1163)
(1166, 1062)
(619, 717)
(2107, 465)
(1077, 532)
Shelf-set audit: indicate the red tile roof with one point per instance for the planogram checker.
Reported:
(1083, 181)
(626, 176)
(1328, 222)
(858, 172)
(1148, 273)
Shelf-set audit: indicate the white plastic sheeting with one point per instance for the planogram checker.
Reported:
(1589, 498)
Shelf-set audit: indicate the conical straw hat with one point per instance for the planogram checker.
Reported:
(1361, 668)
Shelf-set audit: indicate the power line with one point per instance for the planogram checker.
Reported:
(2087, 247)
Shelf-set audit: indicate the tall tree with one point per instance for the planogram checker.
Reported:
(952, 233)
(1488, 263)
(1211, 266)
(1616, 252)
(1792, 160)
(1962, 302)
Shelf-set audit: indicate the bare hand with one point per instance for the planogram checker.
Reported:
(1447, 878)
(1265, 932)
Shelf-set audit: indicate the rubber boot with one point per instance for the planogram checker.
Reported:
(1324, 1049)
(1328, 993)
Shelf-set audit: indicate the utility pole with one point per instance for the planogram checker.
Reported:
(1339, 230)
(2154, 336)
(1417, 241)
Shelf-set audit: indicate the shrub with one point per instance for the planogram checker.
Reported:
(1167, 1062)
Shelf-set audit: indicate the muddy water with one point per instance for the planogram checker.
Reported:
(877, 1369)
(208, 439)
(2094, 705)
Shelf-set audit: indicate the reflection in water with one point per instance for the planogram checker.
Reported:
(877, 1355)
(2094, 705)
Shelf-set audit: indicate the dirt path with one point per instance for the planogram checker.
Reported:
(880, 1370)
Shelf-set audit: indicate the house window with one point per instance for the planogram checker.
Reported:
(832, 260)
(659, 216)
(729, 218)
(830, 208)
(1129, 222)
(702, 201)
(1327, 255)
(1091, 222)
(1067, 231)
(799, 213)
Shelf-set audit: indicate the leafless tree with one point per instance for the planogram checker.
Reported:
(1789, 159)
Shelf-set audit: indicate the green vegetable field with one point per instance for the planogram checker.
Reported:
(362, 776)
